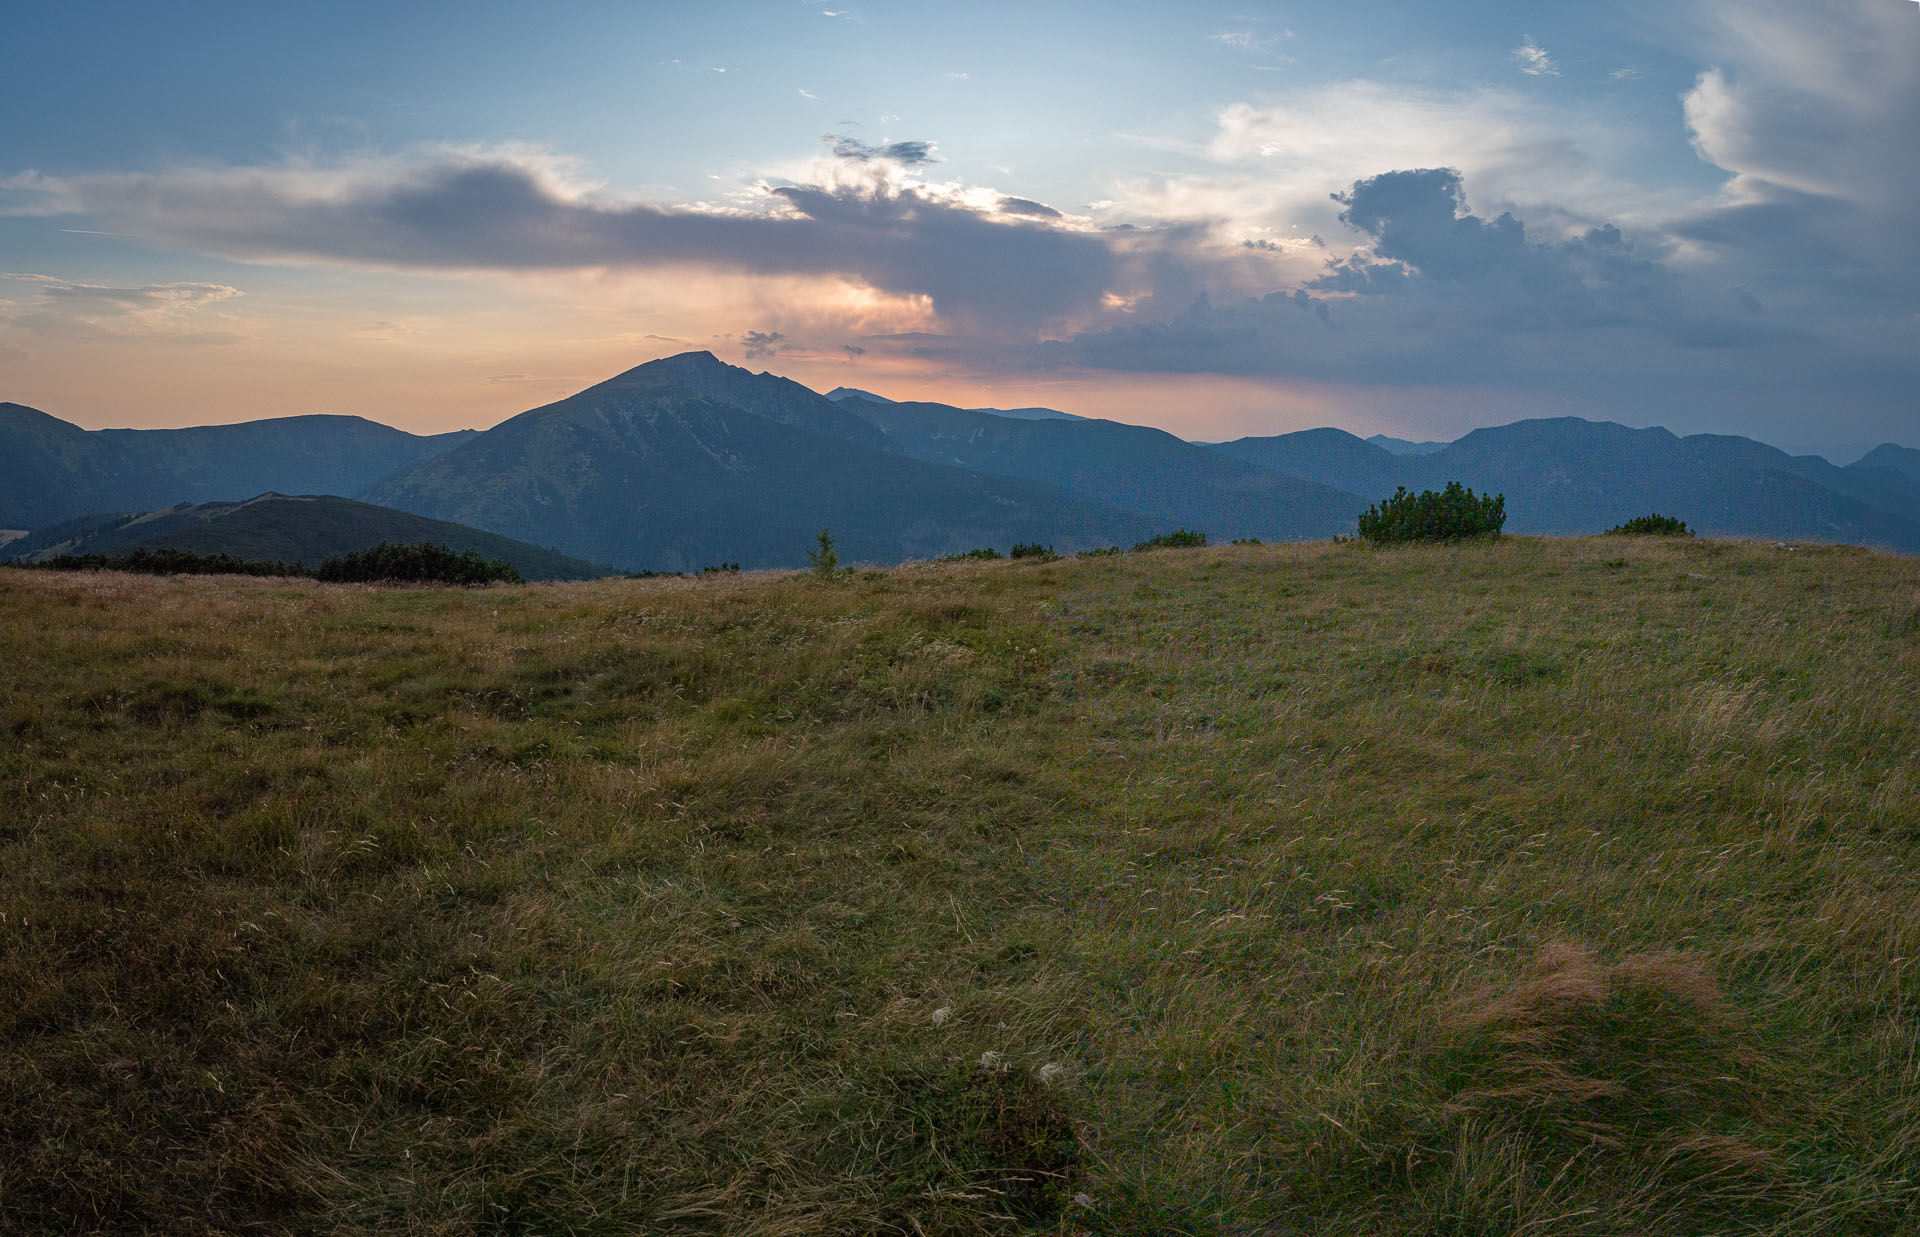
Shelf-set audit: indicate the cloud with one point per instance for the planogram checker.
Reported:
(1814, 112)
(1026, 206)
(906, 154)
(759, 344)
(1534, 60)
(165, 310)
(520, 210)
(1439, 294)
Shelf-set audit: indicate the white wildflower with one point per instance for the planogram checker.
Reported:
(993, 1061)
(1050, 1071)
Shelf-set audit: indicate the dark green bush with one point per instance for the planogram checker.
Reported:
(1179, 539)
(1102, 552)
(1246, 541)
(1033, 549)
(1651, 526)
(720, 569)
(1453, 514)
(168, 562)
(984, 552)
(424, 563)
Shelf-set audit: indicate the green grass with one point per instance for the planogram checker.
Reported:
(1529, 887)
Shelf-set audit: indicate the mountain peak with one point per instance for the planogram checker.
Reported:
(844, 393)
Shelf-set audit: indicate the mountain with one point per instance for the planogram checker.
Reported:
(51, 470)
(307, 529)
(1402, 446)
(317, 454)
(842, 394)
(1130, 466)
(1904, 460)
(687, 461)
(1329, 456)
(845, 393)
(1569, 476)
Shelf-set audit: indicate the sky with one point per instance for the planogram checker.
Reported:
(1222, 219)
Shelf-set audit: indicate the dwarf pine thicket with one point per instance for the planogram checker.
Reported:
(1452, 514)
(1544, 886)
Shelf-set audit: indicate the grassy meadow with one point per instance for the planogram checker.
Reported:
(1542, 886)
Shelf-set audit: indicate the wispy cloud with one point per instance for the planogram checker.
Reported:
(170, 310)
(1534, 60)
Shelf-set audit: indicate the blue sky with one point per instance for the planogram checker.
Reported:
(1229, 219)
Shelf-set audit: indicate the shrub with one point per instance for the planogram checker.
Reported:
(1651, 526)
(720, 569)
(1179, 539)
(168, 562)
(1246, 541)
(1453, 514)
(983, 552)
(1102, 552)
(424, 563)
(1033, 549)
(826, 559)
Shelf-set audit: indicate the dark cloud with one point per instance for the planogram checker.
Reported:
(1441, 295)
(1027, 206)
(854, 351)
(461, 211)
(907, 154)
(762, 343)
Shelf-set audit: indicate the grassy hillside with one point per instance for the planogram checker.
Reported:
(1544, 887)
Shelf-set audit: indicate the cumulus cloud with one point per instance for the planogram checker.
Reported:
(1440, 294)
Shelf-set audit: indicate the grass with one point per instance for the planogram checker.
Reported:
(1528, 887)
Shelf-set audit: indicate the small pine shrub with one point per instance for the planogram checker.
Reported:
(825, 559)
(1651, 526)
(1453, 514)
(1179, 539)
(1102, 552)
(984, 552)
(720, 569)
(169, 562)
(1033, 549)
(424, 563)
(1246, 541)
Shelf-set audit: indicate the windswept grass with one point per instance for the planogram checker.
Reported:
(1530, 887)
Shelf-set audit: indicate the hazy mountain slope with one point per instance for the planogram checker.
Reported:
(646, 472)
(1130, 466)
(52, 470)
(1569, 476)
(281, 528)
(1566, 475)
(1330, 456)
(1905, 460)
(318, 454)
(1403, 446)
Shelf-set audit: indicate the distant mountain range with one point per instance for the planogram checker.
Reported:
(1564, 475)
(687, 461)
(282, 528)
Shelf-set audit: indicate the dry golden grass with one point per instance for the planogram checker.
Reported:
(1534, 887)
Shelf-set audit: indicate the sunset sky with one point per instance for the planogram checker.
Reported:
(1224, 219)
